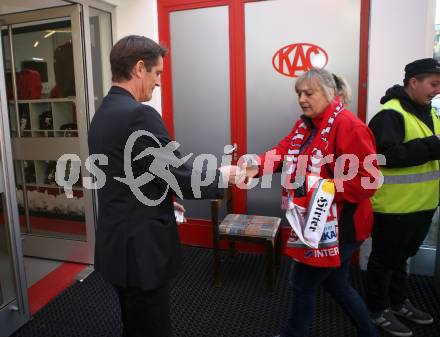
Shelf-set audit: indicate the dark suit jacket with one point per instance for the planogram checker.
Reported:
(136, 245)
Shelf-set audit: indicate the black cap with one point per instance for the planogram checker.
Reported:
(422, 66)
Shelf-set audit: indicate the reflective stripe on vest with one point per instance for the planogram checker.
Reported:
(412, 178)
(409, 189)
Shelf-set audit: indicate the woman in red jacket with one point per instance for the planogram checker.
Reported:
(328, 128)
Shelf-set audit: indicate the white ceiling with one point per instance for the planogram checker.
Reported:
(13, 6)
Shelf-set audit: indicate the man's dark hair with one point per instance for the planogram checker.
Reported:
(418, 77)
(128, 51)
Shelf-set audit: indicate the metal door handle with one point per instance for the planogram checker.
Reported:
(231, 149)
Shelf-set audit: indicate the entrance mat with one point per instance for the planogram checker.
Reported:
(241, 308)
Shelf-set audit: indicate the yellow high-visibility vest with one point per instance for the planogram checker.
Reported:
(409, 189)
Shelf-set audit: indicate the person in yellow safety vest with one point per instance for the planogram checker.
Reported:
(407, 132)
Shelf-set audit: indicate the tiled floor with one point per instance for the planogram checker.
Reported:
(36, 269)
(6, 280)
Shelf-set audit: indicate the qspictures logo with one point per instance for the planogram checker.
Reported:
(163, 161)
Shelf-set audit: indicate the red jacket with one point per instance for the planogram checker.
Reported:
(349, 135)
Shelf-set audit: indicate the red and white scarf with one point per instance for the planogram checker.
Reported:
(326, 247)
(317, 154)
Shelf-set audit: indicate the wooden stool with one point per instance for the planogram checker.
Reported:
(250, 228)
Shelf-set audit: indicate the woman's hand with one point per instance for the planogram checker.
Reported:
(249, 164)
(251, 171)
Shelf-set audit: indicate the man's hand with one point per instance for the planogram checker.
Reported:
(179, 207)
(178, 212)
(232, 174)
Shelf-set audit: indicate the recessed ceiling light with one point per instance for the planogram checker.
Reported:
(49, 34)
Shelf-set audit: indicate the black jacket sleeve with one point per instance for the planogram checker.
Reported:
(149, 120)
(388, 129)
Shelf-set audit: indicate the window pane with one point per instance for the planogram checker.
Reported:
(101, 41)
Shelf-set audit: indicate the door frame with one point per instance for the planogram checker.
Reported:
(237, 61)
(237, 73)
(16, 313)
(437, 261)
(54, 247)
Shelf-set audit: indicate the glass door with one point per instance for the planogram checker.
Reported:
(240, 89)
(14, 310)
(437, 260)
(48, 117)
(292, 46)
(203, 103)
(436, 104)
(427, 259)
(204, 100)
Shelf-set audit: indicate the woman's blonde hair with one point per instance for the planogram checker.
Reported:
(330, 84)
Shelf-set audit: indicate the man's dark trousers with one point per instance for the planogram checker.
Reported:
(145, 313)
(395, 239)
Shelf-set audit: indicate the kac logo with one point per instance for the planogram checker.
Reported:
(295, 59)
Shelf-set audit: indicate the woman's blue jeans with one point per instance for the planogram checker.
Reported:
(306, 281)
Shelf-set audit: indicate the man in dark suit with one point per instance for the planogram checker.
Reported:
(137, 244)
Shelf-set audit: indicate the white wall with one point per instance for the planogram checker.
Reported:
(12, 6)
(400, 32)
(139, 17)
